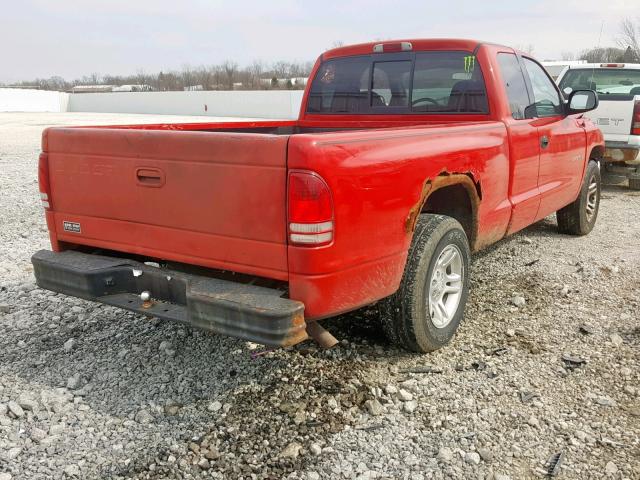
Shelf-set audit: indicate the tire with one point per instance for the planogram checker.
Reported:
(634, 181)
(579, 217)
(407, 317)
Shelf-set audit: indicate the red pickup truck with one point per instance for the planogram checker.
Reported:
(406, 156)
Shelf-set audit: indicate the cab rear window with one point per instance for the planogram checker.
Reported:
(418, 83)
(605, 81)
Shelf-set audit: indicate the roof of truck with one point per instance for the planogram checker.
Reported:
(416, 44)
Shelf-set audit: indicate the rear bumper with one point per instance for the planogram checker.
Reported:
(239, 310)
(623, 151)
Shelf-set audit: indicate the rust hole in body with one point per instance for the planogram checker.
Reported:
(444, 180)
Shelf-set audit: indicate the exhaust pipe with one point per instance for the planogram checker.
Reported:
(320, 335)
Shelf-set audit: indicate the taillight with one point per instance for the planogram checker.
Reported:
(635, 120)
(310, 210)
(43, 180)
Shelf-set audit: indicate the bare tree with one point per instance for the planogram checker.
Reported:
(143, 78)
(230, 68)
(597, 55)
(187, 76)
(567, 56)
(526, 48)
(629, 37)
(167, 82)
(256, 70)
(204, 76)
(281, 69)
(162, 81)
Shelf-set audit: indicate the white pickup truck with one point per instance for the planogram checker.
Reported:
(618, 114)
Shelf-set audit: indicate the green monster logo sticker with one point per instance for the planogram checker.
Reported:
(469, 63)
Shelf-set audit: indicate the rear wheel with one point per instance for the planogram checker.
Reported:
(579, 217)
(634, 181)
(424, 314)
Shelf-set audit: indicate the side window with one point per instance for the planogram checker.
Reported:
(391, 84)
(341, 86)
(545, 95)
(514, 84)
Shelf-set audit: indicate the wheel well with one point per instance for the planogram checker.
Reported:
(596, 153)
(454, 201)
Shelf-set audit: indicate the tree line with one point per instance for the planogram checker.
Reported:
(225, 76)
(626, 51)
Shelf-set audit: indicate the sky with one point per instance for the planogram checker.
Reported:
(69, 38)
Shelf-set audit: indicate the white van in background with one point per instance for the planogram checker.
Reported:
(618, 115)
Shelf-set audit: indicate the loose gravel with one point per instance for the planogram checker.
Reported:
(546, 362)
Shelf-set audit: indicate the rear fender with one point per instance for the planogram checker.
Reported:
(443, 180)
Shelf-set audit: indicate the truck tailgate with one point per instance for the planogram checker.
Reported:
(613, 117)
(205, 198)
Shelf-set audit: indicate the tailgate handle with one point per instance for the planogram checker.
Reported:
(149, 177)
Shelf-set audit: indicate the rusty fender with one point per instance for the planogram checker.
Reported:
(445, 179)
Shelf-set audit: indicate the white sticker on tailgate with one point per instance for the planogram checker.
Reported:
(71, 227)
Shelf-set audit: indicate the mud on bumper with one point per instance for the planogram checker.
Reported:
(239, 310)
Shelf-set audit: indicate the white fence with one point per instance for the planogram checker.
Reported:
(22, 100)
(276, 104)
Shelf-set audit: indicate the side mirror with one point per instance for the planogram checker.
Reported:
(581, 101)
(531, 111)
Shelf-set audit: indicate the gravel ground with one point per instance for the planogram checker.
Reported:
(90, 391)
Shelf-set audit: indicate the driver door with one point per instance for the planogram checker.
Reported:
(524, 148)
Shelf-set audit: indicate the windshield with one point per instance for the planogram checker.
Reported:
(621, 81)
(424, 82)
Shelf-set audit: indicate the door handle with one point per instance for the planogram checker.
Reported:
(544, 141)
(149, 177)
